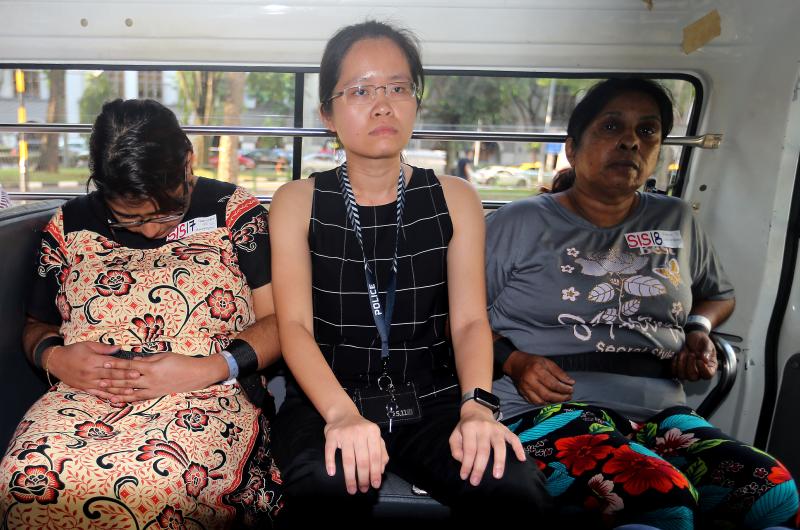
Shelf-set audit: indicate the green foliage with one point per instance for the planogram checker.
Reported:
(274, 96)
(98, 91)
(273, 92)
(197, 95)
(465, 101)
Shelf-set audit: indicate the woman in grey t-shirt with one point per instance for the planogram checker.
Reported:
(602, 299)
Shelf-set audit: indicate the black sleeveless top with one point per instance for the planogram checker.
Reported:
(343, 324)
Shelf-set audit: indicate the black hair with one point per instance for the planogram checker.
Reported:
(331, 66)
(563, 180)
(600, 94)
(137, 152)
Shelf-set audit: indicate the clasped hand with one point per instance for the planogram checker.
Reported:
(89, 366)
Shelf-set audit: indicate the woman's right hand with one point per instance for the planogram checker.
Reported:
(80, 365)
(538, 379)
(364, 455)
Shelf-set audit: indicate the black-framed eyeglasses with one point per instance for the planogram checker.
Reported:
(160, 219)
(366, 94)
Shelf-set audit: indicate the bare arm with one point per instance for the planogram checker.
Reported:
(477, 433)
(291, 270)
(364, 454)
(469, 324)
(717, 311)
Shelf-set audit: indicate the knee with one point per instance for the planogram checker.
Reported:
(305, 475)
(312, 494)
(524, 479)
(522, 488)
(775, 506)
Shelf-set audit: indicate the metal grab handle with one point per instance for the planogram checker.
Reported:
(726, 377)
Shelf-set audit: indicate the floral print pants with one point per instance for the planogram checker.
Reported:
(675, 471)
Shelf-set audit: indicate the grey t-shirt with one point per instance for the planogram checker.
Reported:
(559, 285)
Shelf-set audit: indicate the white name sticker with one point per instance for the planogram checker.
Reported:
(654, 238)
(193, 226)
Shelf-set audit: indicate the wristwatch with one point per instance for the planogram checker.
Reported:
(487, 399)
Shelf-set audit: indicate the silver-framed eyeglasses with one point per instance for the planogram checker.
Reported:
(159, 218)
(366, 94)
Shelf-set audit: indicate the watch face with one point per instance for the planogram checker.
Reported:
(487, 399)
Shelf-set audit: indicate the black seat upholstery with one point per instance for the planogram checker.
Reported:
(21, 384)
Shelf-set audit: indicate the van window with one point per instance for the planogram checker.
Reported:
(486, 120)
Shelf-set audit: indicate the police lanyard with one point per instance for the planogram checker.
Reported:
(383, 317)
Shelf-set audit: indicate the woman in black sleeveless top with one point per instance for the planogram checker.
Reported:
(370, 263)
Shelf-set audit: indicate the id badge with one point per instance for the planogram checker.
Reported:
(377, 405)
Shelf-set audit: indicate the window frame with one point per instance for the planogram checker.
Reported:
(298, 110)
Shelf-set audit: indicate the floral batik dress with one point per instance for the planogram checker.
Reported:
(186, 460)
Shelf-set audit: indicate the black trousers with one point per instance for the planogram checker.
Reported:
(419, 453)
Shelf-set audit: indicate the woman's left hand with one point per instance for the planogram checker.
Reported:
(162, 374)
(697, 359)
(475, 437)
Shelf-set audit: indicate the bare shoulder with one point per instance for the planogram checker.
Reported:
(294, 194)
(459, 194)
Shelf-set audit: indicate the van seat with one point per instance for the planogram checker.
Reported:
(21, 385)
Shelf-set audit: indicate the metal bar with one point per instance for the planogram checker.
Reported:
(264, 199)
(705, 141)
(43, 196)
(34, 196)
(297, 142)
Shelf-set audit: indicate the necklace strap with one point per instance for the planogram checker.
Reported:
(352, 208)
(381, 313)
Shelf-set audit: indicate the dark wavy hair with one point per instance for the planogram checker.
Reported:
(138, 152)
(600, 94)
(331, 66)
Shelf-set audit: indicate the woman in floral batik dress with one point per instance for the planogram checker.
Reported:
(151, 294)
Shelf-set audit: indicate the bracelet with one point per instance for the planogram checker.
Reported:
(697, 323)
(47, 366)
(38, 351)
(503, 348)
(233, 368)
(244, 355)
